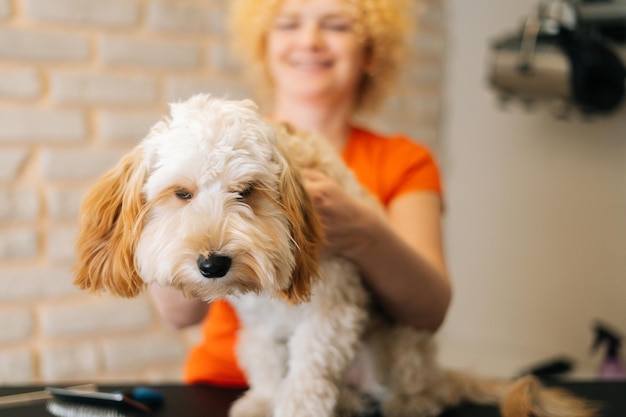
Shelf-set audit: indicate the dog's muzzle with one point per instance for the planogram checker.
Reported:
(215, 266)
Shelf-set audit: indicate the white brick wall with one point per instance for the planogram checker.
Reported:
(125, 127)
(159, 348)
(89, 88)
(221, 57)
(19, 203)
(34, 284)
(71, 164)
(17, 366)
(81, 82)
(63, 202)
(69, 360)
(21, 44)
(19, 244)
(5, 9)
(20, 125)
(97, 315)
(11, 161)
(19, 83)
(180, 17)
(60, 243)
(17, 324)
(154, 54)
(179, 88)
(113, 13)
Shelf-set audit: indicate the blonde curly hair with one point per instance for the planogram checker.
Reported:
(384, 26)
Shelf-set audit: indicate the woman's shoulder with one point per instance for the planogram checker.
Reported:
(377, 142)
(390, 165)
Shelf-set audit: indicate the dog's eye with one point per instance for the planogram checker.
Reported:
(183, 194)
(245, 192)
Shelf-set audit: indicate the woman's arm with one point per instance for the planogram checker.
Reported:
(403, 261)
(400, 258)
(177, 310)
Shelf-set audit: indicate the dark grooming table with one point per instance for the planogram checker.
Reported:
(208, 401)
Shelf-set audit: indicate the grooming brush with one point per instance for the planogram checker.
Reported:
(27, 398)
(75, 403)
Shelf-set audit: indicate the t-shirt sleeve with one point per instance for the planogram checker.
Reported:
(409, 167)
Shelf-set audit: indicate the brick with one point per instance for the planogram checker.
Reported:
(148, 53)
(17, 325)
(17, 366)
(69, 361)
(5, 9)
(72, 164)
(11, 163)
(176, 17)
(183, 88)
(116, 127)
(93, 316)
(99, 88)
(20, 83)
(221, 58)
(63, 203)
(19, 203)
(26, 283)
(41, 46)
(19, 125)
(142, 351)
(20, 243)
(111, 13)
(60, 243)
(219, 18)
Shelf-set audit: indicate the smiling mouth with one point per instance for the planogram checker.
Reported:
(310, 65)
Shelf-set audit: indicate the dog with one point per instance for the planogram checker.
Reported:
(211, 202)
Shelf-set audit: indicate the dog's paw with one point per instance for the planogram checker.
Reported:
(251, 405)
(305, 403)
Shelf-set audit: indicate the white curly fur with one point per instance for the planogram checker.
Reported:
(215, 178)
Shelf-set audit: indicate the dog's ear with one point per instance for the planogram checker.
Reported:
(305, 232)
(109, 227)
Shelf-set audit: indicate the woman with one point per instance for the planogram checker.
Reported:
(323, 61)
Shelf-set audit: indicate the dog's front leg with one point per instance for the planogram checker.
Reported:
(265, 363)
(320, 350)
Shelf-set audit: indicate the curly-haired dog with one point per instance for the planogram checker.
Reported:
(211, 202)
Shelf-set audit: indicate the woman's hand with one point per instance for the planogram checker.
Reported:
(400, 258)
(340, 215)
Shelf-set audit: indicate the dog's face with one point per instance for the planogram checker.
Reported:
(207, 203)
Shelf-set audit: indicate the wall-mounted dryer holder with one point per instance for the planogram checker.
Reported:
(569, 54)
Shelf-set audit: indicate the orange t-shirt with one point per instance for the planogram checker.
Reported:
(387, 167)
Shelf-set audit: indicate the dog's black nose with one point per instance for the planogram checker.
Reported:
(215, 266)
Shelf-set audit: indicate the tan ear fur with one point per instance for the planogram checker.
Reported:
(305, 232)
(111, 218)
